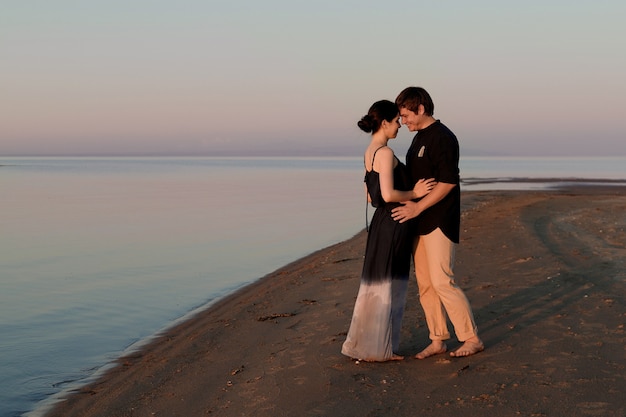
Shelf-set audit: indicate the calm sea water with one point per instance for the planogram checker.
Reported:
(99, 254)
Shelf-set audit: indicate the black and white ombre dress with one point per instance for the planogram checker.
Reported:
(374, 333)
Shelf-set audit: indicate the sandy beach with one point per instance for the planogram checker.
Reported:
(545, 272)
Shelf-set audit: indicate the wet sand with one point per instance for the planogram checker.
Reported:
(544, 271)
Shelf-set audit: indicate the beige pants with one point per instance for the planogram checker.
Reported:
(439, 295)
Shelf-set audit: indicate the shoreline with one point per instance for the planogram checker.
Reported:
(272, 347)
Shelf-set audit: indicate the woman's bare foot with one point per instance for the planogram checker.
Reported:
(470, 347)
(436, 347)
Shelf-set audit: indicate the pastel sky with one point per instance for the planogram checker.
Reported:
(292, 77)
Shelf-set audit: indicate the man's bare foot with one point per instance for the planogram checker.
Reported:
(396, 357)
(436, 347)
(468, 348)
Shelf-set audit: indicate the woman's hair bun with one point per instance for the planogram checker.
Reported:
(366, 123)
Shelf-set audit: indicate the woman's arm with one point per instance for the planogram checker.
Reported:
(384, 165)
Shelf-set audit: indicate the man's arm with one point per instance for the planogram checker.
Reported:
(412, 209)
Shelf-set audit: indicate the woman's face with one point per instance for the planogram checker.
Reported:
(391, 128)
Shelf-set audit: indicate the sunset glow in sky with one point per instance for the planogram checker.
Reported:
(289, 77)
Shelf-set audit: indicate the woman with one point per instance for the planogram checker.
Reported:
(374, 333)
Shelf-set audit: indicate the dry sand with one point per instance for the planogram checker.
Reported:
(544, 272)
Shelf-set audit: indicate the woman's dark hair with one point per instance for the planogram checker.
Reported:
(381, 110)
(411, 97)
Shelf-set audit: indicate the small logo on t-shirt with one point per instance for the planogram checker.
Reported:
(421, 152)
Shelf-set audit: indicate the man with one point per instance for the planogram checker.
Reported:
(434, 153)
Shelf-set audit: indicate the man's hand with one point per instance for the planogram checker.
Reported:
(409, 210)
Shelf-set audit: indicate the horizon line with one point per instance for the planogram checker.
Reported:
(277, 155)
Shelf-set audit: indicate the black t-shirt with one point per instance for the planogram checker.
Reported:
(434, 153)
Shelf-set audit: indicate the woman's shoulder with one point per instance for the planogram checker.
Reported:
(373, 156)
(384, 151)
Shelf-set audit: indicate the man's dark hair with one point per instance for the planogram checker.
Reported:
(411, 98)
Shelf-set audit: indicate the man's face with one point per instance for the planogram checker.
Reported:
(410, 119)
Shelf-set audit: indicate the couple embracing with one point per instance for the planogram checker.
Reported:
(417, 215)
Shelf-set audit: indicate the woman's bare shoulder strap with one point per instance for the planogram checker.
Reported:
(374, 155)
